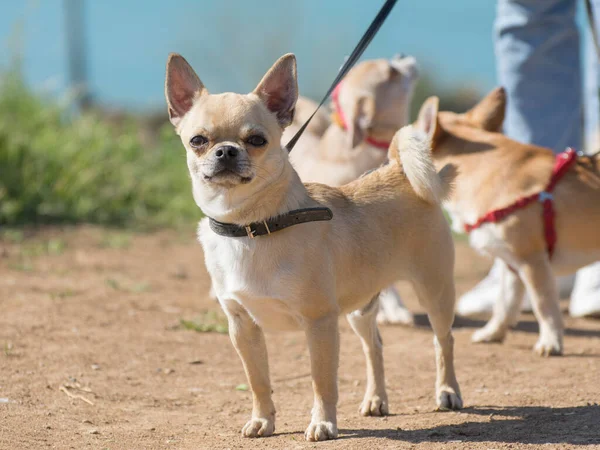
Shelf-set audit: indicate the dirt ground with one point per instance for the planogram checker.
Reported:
(94, 355)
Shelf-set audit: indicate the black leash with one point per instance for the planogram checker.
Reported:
(356, 54)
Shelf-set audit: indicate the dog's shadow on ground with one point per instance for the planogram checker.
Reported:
(523, 425)
(527, 324)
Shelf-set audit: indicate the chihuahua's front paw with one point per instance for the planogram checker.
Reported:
(374, 405)
(490, 333)
(549, 345)
(321, 431)
(449, 399)
(258, 427)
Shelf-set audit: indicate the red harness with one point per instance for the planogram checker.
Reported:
(340, 119)
(562, 164)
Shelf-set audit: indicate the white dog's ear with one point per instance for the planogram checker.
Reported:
(405, 65)
(279, 89)
(427, 121)
(360, 119)
(182, 87)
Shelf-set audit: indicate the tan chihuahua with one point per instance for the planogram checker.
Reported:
(495, 171)
(369, 106)
(273, 271)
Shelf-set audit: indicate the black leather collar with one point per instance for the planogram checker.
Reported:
(269, 226)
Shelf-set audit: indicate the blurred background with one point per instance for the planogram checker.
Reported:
(83, 126)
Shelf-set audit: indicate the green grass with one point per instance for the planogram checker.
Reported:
(21, 266)
(135, 288)
(62, 294)
(209, 322)
(8, 349)
(111, 282)
(58, 168)
(51, 247)
(116, 240)
(13, 236)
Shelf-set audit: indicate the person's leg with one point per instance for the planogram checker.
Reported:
(538, 63)
(590, 86)
(478, 303)
(585, 299)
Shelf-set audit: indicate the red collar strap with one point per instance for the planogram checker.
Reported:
(340, 119)
(562, 164)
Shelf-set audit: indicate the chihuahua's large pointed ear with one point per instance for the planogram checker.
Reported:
(427, 121)
(182, 87)
(279, 89)
(488, 114)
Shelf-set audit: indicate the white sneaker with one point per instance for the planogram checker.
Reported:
(392, 310)
(478, 303)
(585, 300)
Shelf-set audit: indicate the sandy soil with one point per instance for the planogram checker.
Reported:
(94, 356)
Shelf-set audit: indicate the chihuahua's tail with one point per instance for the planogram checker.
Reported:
(412, 149)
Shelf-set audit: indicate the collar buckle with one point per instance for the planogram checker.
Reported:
(250, 232)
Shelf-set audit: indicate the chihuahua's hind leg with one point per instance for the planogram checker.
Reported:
(363, 322)
(540, 282)
(324, 347)
(439, 304)
(249, 341)
(506, 308)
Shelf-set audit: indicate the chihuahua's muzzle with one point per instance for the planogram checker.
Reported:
(228, 164)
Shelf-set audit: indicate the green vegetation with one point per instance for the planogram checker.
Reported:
(8, 349)
(21, 266)
(57, 167)
(60, 169)
(135, 288)
(116, 240)
(34, 247)
(209, 322)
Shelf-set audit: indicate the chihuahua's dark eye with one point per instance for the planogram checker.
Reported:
(198, 141)
(256, 140)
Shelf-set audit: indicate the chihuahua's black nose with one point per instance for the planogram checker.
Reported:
(226, 152)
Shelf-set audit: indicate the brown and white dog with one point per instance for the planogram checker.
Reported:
(494, 172)
(369, 106)
(387, 225)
